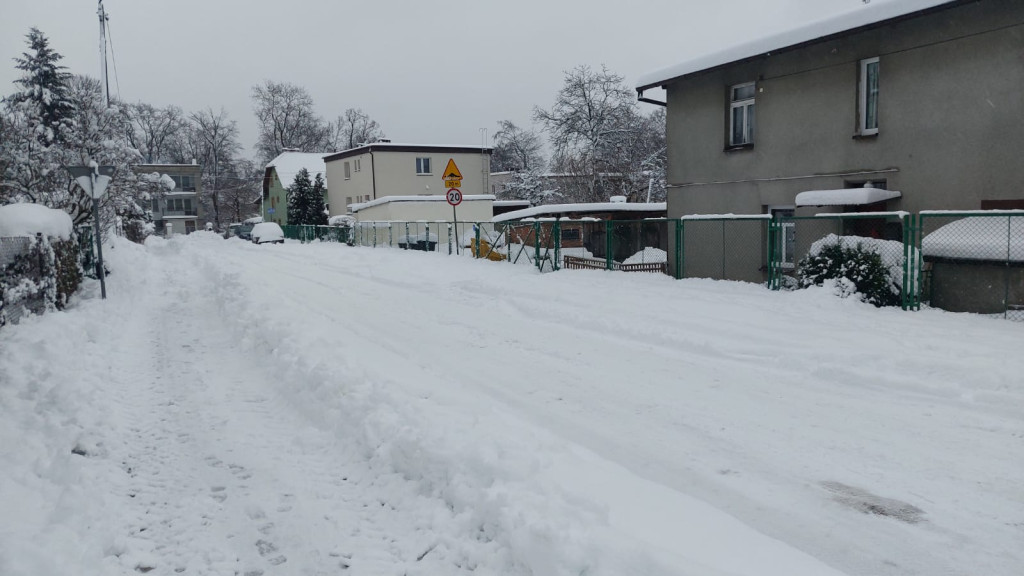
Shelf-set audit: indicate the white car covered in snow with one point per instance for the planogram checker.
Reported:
(267, 232)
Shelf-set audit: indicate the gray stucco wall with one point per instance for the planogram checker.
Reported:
(951, 118)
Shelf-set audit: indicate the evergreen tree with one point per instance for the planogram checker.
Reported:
(44, 96)
(298, 198)
(317, 209)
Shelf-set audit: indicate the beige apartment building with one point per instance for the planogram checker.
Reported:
(382, 169)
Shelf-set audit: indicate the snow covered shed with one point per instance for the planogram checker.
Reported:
(975, 263)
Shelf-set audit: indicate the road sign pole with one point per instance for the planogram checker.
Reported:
(455, 228)
(99, 245)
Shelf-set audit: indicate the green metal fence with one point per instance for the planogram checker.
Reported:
(973, 261)
(87, 250)
(890, 235)
(958, 261)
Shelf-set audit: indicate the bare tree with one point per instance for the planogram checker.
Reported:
(153, 130)
(218, 135)
(353, 128)
(240, 185)
(516, 149)
(592, 110)
(287, 120)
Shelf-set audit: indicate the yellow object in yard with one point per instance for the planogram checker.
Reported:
(485, 251)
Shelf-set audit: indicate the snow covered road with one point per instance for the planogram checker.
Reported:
(314, 409)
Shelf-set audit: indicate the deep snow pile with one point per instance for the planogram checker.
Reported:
(395, 412)
(647, 256)
(978, 238)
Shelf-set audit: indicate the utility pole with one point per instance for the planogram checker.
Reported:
(102, 13)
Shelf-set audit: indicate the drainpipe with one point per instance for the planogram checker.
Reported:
(373, 175)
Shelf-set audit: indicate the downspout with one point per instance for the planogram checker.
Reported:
(373, 175)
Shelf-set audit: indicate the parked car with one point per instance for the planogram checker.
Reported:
(232, 230)
(244, 231)
(265, 232)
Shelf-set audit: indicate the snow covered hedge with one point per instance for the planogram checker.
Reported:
(869, 267)
(40, 269)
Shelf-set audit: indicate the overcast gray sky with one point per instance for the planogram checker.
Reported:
(428, 71)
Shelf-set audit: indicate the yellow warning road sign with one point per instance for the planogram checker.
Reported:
(451, 171)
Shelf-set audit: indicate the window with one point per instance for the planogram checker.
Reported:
(570, 234)
(348, 171)
(787, 243)
(423, 166)
(348, 201)
(156, 205)
(741, 114)
(359, 165)
(868, 97)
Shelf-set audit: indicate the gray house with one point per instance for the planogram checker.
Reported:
(178, 208)
(921, 100)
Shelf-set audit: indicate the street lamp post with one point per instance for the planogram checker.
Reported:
(94, 180)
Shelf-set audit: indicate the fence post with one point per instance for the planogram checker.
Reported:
(556, 230)
(476, 248)
(608, 244)
(536, 246)
(772, 231)
(449, 239)
(680, 228)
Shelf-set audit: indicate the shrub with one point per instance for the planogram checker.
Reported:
(856, 269)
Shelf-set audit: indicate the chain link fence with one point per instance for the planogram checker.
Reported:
(973, 262)
(309, 233)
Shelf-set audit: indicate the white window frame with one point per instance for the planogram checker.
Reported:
(358, 165)
(348, 171)
(424, 166)
(862, 98)
(733, 105)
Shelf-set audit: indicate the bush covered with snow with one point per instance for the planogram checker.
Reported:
(40, 279)
(855, 265)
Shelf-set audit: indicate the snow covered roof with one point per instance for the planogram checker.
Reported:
(864, 15)
(288, 164)
(420, 198)
(845, 197)
(30, 219)
(576, 208)
(405, 147)
(999, 239)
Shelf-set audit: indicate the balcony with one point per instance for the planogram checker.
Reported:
(179, 213)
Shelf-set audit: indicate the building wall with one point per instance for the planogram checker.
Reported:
(390, 173)
(949, 118)
(275, 206)
(181, 224)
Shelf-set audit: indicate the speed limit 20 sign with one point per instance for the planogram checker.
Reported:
(454, 196)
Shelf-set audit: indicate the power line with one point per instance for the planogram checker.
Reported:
(113, 59)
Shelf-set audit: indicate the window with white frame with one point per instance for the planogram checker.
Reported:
(358, 165)
(423, 166)
(787, 241)
(741, 114)
(868, 97)
(348, 171)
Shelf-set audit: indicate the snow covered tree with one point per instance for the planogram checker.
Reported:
(515, 149)
(239, 185)
(287, 120)
(317, 214)
(217, 138)
(153, 130)
(599, 135)
(306, 200)
(530, 185)
(43, 97)
(353, 128)
(299, 193)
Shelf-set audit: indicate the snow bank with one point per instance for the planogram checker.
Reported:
(978, 238)
(647, 255)
(31, 219)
